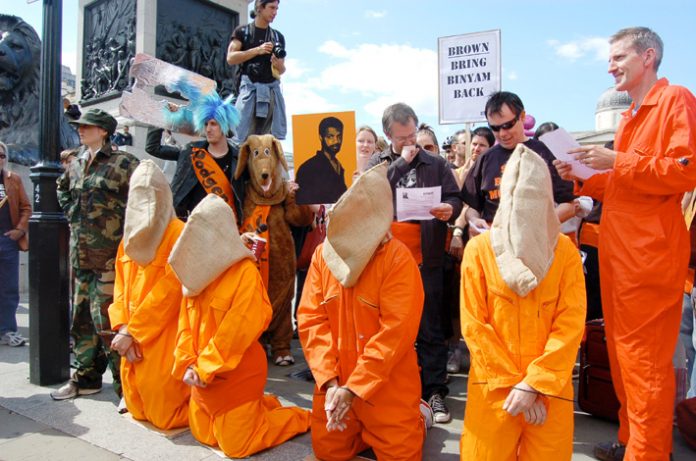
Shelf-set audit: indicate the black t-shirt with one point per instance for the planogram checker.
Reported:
(481, 189)
(258, 68)
(5, 217)
(198, 193)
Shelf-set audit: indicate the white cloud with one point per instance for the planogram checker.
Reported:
(512, 75)
(365, 77)
(294, 69)
(382, 74)
(596, 47)
(333, 49)
(372, 14)
(69, 58)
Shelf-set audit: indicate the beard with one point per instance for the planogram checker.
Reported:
(334, 149)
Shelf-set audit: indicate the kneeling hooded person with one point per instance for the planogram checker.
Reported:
(522, 313)
(358, 321)
(147, 299)
(223, 313)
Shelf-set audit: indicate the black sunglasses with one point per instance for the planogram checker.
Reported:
(504, 126)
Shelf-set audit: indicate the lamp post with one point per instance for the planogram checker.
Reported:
(49, 323)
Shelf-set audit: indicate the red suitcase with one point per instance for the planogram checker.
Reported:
(596, 394)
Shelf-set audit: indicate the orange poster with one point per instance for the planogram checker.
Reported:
(324, 155)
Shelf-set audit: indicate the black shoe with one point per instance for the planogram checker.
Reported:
(441, 413)
(609, 451)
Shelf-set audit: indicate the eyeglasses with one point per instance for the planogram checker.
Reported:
(401, 139)
(430, 148)
(504, 126)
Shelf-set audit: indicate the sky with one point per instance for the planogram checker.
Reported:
(364, 55)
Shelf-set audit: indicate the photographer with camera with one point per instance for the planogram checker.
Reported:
(259, 53)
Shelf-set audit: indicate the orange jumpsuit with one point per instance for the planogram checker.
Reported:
(511, 339)
(147, 300)
(364, 336)
(643, 258)
(219, 334)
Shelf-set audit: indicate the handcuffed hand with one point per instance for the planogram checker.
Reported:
(537, 412)
(122, 341)
(192, 379)
(337, 404)
(520, 399)
(134, 353)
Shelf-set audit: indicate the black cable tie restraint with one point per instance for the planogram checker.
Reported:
(535, 392)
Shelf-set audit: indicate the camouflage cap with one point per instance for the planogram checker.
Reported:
(97, 117)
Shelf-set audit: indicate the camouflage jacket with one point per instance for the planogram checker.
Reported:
(95, 203)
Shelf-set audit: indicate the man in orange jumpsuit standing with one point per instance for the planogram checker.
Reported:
(643, 241)
(224, 311)
(358, 321)
(147, 298)
(523, 314)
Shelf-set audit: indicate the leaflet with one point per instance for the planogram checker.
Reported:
(559, 143)
(414, 204)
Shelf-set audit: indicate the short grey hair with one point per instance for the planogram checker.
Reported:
(642, 39)
(398, 112)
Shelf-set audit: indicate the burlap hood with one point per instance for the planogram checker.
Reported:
(208, 245)
(358, 223)
(148, 212)
(525, 229)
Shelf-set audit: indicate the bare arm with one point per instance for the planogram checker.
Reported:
(235, 55)
(279, 64)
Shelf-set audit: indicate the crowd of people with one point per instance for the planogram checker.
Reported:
(169, 296)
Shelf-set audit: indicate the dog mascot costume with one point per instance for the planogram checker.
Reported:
(269, 210)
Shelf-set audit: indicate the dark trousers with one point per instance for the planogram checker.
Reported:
(9, 284)
(431, 344)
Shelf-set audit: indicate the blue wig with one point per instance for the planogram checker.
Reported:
(211, 106)
(184, 116)
(201, 109)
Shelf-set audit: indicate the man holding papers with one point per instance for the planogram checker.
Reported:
(505, 114)
(410, 167)
(643, 240)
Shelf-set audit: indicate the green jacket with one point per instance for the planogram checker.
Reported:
(94, 202)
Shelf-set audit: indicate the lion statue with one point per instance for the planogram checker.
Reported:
(20, 60)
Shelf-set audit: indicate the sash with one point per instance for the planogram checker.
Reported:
(410, 235)
(251, 224)
(211, 177)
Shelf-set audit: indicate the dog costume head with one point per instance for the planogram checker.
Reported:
(263, 156)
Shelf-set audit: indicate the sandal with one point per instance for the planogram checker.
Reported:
(284, 360)
(12, 339)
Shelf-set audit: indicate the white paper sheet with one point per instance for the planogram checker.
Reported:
(414, 204)
(559, 143)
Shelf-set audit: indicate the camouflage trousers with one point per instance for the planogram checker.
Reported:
(91, 329)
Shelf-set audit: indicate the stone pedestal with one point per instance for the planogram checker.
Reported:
(167, 29)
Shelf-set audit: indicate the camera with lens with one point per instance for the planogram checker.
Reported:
(279, 50)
